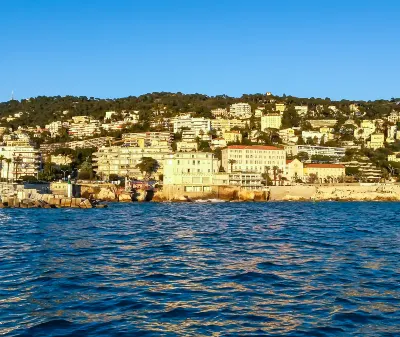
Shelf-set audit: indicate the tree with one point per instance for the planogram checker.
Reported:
(231, 162)
(8, 161)
(290, 118)
(17, 163)
(2, 158)
(275, 171)
(312, 178)
(302, 156)
(148, 165)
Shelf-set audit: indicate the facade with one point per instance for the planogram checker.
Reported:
(302, 110)
(187, 146)
(60, 159)
(377, 141)
(220, 112)
(280, 107)
(315, 136)
(192, 170)
(324, 172)
(54, 128)
(256, 158)
(394, 157)
(25, 161)
(240, 109)
(195, 124)
(336, 152)
(145, 139)
(271, 121)
(294, 170)
(122, 160)
(83, 126)
(232, 136)
(228, 124)
(288, 136)
(318, 123)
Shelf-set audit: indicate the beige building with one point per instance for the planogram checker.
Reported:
(324, 172)
(377, 141)
(271, 121)
(187, 146)
(256, 158)
(302, 110)
(240, 109)
(228, 124)
(198, 125)
(193, 170)
(294, 170)
(25, 161)
(288, 136)
(220, 112)
(394, 158)
(83, 126)
(122, 160)
(232, 136)
(280, 107)
(60, 159)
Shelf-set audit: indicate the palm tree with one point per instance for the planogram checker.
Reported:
(275, 172)
(1, 165)
(17, 162)
(231, 162)
(8, 161)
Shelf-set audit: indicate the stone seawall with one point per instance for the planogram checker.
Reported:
(336, 192)
(286, 193)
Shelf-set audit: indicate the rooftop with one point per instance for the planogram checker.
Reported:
(325, 165)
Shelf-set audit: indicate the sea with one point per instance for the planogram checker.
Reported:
(215, 269)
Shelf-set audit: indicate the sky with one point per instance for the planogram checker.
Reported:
(107, 49)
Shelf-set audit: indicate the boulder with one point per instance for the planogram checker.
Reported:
(125, 197)
(106, 194)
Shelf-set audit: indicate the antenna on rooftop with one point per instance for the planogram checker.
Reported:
(12, 95)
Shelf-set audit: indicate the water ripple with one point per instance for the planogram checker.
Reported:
(240, 269)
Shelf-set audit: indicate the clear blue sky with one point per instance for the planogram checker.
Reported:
(104, 48)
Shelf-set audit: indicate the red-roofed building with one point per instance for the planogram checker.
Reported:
(253, 158)
(324, 172)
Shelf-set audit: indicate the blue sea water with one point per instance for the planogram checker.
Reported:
(234, 269)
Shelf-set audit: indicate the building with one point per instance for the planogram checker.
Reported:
(218, 142)
(394, 117)
(146, 139)
(280, 107)
(324, 172)
(196, 124)
(232, 136)
(60, 159)
(311, 150)
(83, 126)
(240, 109)
(25, 160)
(391, 133)
(271, 121)
(54, 128)
(187, 146)
(194, 171)
(318, 123)
(256, 158)
(122, 160)
(395, 157)
(220, 112)
(288, 136)
(377, 141)
(199, 172)
(302, 110)
(294, 170)
(228, 124)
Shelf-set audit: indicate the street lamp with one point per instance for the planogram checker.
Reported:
(64, 171)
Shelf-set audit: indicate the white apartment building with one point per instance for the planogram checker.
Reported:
(147, 138)
(377, 141)
(311, 150)
(185, 146)
(196, 124)
(302, 110)
(220, 112)
(228, 124)
(54, 128)
(193, 170)
(252, 158)
(394, 117)
(83, 126)
(25, 160)
(121, 160)
(280, 107)
(391, 133)
(288, 136)
(240, 109)
(271, 121)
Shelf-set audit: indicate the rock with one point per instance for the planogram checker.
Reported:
(125, 197)
(106, 194)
